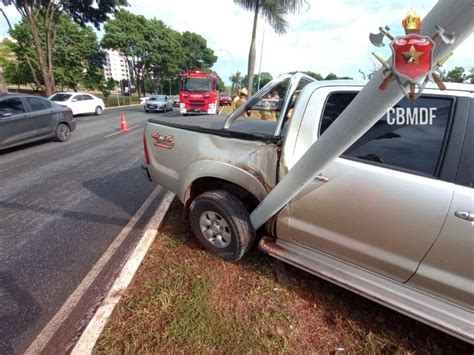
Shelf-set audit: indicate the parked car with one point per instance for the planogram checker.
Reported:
(28, 118)
(79, 102)
(225, 99)
(175, 101)
(158, 103)
(390, 219)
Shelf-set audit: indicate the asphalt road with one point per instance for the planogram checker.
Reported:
(61, 206)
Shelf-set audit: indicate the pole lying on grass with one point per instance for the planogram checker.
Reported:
(367, 107)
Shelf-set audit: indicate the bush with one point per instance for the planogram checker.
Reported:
(114, 100)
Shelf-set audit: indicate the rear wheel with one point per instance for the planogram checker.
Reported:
(63, 132)
(98, 111)
(221, 224)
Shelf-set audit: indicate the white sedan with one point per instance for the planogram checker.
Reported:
(79, 102)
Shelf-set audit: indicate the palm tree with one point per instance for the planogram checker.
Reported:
(273, 11)
(236, 80)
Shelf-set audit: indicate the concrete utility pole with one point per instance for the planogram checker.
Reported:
(367, 107)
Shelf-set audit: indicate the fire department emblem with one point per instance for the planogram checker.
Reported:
(411, 64)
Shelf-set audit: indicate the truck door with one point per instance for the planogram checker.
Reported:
(447, 269)
(380, 205)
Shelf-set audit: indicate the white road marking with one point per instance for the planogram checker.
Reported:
(51, 328)
(118, 132)
(99, 320)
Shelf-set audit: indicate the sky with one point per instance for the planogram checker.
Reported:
(324, 37)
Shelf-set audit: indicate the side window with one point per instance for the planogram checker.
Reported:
(86, 97)
(13, 106)
(267, 108)
(414, 147)
(38, 104)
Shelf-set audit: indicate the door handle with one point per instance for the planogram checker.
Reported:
(322, 178)
(468, 216)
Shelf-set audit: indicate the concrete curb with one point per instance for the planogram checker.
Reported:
(99, 320)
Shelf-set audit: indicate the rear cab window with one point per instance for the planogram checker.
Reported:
(415, 148)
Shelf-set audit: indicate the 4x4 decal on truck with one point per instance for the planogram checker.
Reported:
(163, 141)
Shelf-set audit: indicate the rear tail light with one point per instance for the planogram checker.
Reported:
(69, 109)
(145, 150)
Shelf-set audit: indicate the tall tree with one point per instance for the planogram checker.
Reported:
(273, 11)
(129, 34)
(76, 59)
(265, 78)
(6, 58)
(82, 12)
(456, 75)
(196, 54)
(236, 81)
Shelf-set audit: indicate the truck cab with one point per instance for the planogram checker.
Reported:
(198, 93)
(391, 218)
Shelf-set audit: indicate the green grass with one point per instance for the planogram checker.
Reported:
(184, 300)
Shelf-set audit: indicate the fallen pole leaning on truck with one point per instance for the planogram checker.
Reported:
(368, 106)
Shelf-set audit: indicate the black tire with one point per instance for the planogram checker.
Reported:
(146, 111)
(98, 111)
(62, 132)
(234, 223)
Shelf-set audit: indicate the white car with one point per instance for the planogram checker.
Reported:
(79, 102)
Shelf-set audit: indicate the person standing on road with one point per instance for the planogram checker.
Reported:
(235, 99)
(243, 94)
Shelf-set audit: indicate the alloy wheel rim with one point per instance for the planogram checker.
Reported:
(63, 132)
(215, 229)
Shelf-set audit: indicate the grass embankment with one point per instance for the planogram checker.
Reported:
(185, 300)
(114, 101)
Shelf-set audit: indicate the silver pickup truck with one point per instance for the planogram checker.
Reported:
(391, 219)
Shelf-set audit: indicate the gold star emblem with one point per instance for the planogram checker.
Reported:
(412, 55)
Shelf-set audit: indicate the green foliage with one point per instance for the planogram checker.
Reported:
(77, 58)
(332, 76)
(81, 12)
(155, 52)
(195, 52)
(265, 78)
(273, 11)
(456, 75)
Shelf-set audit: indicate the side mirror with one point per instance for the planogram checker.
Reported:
(74, 100)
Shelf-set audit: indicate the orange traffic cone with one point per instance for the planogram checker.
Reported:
(123, 123)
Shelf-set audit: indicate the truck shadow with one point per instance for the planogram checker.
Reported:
(22, 315)
(127, 189)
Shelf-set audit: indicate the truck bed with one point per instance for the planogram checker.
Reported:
(242, 128)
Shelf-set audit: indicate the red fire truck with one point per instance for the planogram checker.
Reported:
(198, 93)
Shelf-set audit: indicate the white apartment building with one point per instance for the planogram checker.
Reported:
(116, 66)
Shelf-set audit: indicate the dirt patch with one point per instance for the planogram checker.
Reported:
(185, 300)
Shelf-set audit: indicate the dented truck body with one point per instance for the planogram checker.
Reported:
(375, 221)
